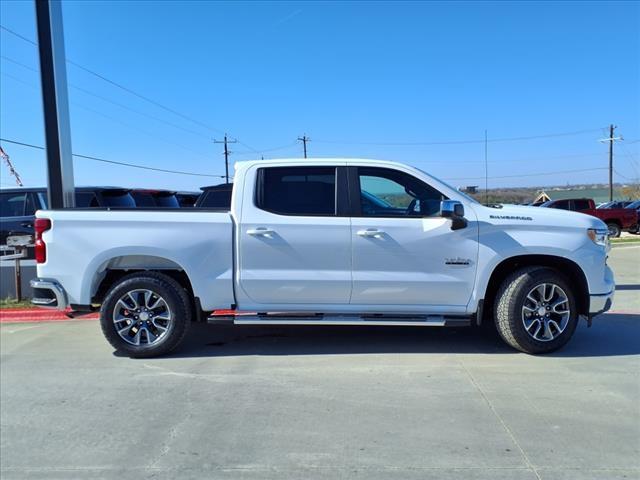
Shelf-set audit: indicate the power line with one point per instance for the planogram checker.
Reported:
(266, 150)
(116, 120)
(108, 100)
(532, 174)
(132, 92)
(104, 160)
(624, 176)
(461, 142)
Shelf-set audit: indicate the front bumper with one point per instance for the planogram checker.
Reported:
(49, 294)
(600, 303)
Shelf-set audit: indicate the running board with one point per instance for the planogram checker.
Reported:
(405, 321)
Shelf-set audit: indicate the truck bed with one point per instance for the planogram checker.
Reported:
(198, 242)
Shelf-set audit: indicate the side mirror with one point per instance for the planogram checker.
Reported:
(454, 210)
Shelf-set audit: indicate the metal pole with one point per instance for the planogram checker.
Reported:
(53, 75)
(18, 280)
(486, 169)
(611, 140)
(226, 160)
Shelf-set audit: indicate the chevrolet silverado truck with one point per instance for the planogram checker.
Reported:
(327, 242)
(616, 219)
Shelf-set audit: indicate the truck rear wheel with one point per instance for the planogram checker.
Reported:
(614, 229)
(536, 310)
(145, 314)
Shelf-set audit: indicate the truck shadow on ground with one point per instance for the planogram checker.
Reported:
(612, 334)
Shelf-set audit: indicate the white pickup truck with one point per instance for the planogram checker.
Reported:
(332, 241)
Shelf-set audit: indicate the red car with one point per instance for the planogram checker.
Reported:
(617, 219)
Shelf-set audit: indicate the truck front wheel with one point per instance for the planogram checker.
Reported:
(145, 314)
(536, 310)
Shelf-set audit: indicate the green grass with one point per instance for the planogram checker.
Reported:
(13, 303)
(616, 241)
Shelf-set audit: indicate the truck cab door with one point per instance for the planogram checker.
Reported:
(406, 257)
(294, 242)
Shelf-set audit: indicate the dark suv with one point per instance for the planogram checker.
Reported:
(155, 198)
(18, 205)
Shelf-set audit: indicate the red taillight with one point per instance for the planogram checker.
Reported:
(41, 225)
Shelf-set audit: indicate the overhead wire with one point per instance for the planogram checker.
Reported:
(532, 174)
(114, 162)
(133, 92)
(462, 142)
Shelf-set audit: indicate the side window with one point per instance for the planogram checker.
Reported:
(297, 190)
(12, 204)
(30, 206)
(562, 205)
(581, 205)
(391, 193)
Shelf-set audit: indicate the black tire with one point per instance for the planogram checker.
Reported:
(509, 303)
(614, 229)
(176, 300)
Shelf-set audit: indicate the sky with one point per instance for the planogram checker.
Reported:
(415, 82)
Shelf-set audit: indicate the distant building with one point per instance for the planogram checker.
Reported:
(471, 189)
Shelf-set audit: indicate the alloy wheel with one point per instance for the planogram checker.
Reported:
(546, 312)
(142, 317)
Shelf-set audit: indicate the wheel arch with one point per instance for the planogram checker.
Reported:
(568, 268)
(113, 269)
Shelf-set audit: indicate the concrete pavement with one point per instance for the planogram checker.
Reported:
(325, 402)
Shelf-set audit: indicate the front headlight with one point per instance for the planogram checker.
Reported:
(599, 236)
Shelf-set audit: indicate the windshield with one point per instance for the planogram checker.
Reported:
(465, 195)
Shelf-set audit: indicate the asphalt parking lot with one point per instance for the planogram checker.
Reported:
(326, 402)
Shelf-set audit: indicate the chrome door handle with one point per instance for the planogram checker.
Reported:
(371, 232)
(260, 231)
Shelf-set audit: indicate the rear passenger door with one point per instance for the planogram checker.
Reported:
(294, 237)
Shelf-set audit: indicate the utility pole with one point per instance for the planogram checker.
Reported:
(226, 141)
(611, 139)
(486, 169)
(304, 139)
(611, 129)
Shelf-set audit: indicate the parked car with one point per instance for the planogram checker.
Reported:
(215, 196)
(617, 219)
(299, 242)
(19, 205)
(155, 198)
(615, 204)
(187, 199)
(635, 206)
